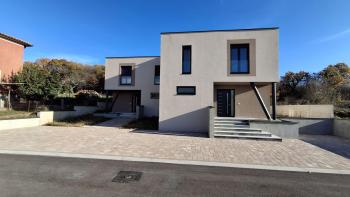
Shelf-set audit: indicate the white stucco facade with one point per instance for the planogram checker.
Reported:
(210, 65)
(210, 71)
(143, 79)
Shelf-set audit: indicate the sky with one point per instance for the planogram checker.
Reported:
(312, 35)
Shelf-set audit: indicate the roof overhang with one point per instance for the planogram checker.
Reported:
(222, 30)
(15, 40)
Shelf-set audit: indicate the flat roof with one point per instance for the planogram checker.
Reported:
(15, 40)
(132, 57)
(221, 30)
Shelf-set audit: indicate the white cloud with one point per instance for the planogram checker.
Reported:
(333, 36)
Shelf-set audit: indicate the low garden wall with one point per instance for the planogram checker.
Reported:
(305, 111)
(313, 126)
(341, 128)
(61, 115)
(45, 117)
(283, 128)
(19, 123)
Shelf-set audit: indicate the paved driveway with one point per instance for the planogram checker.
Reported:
(125, 142)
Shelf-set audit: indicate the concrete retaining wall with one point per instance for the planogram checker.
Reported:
(101, 105)
(342, 128)
(305, 111)
(45, 117)
(283, 129)
(78, 111)
(19, 123)
(319, 126)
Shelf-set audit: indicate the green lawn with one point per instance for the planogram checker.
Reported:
(144, 123)
(13, 114)
(79, 121)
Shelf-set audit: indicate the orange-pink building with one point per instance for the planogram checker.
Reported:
(11, 55)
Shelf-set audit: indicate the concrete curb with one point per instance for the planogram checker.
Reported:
(169, 161)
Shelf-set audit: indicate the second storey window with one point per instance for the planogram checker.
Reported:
(186, 59)
(126, 75)
(239, 58)
(157, 75)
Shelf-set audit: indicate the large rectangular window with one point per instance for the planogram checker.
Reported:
(186, 90)
(126, 75)
(157, 75)
(239, 58)
(186, 59)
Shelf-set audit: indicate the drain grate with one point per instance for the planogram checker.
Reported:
(127, 176)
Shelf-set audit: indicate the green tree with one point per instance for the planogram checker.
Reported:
(330, 85)
(335, 75)
(291, 81)
(70, 73)
(37, 84)
(96, 78)
(75, 76)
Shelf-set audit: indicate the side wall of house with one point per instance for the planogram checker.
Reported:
(143, 79)
(11, 58)
(210, 64)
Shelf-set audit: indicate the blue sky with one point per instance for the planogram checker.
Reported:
(313, 33)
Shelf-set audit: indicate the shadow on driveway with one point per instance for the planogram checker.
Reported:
(334, 144)
(189, 134)
(115, 122)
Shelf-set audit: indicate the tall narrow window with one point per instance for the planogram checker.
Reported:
(126, 75)
(239, 58)
(157, 75)
(186, 59)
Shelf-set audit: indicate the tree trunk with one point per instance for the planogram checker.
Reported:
(28, 105)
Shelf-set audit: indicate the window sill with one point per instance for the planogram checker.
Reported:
(235, 73)
(185, 94)
(126, 84)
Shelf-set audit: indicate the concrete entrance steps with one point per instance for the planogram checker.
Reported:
(228, 127)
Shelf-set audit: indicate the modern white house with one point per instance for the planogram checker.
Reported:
(133, 81)
(203, 81)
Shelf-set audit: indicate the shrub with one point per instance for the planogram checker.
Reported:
(87, 97)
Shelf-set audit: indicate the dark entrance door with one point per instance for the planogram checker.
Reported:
(225, 102)
(135, 101)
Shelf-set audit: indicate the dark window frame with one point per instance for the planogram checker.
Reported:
(238, 46)
(183, 59)
(122, 75)
(154, 95)
(155, 74)
(178, 87)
